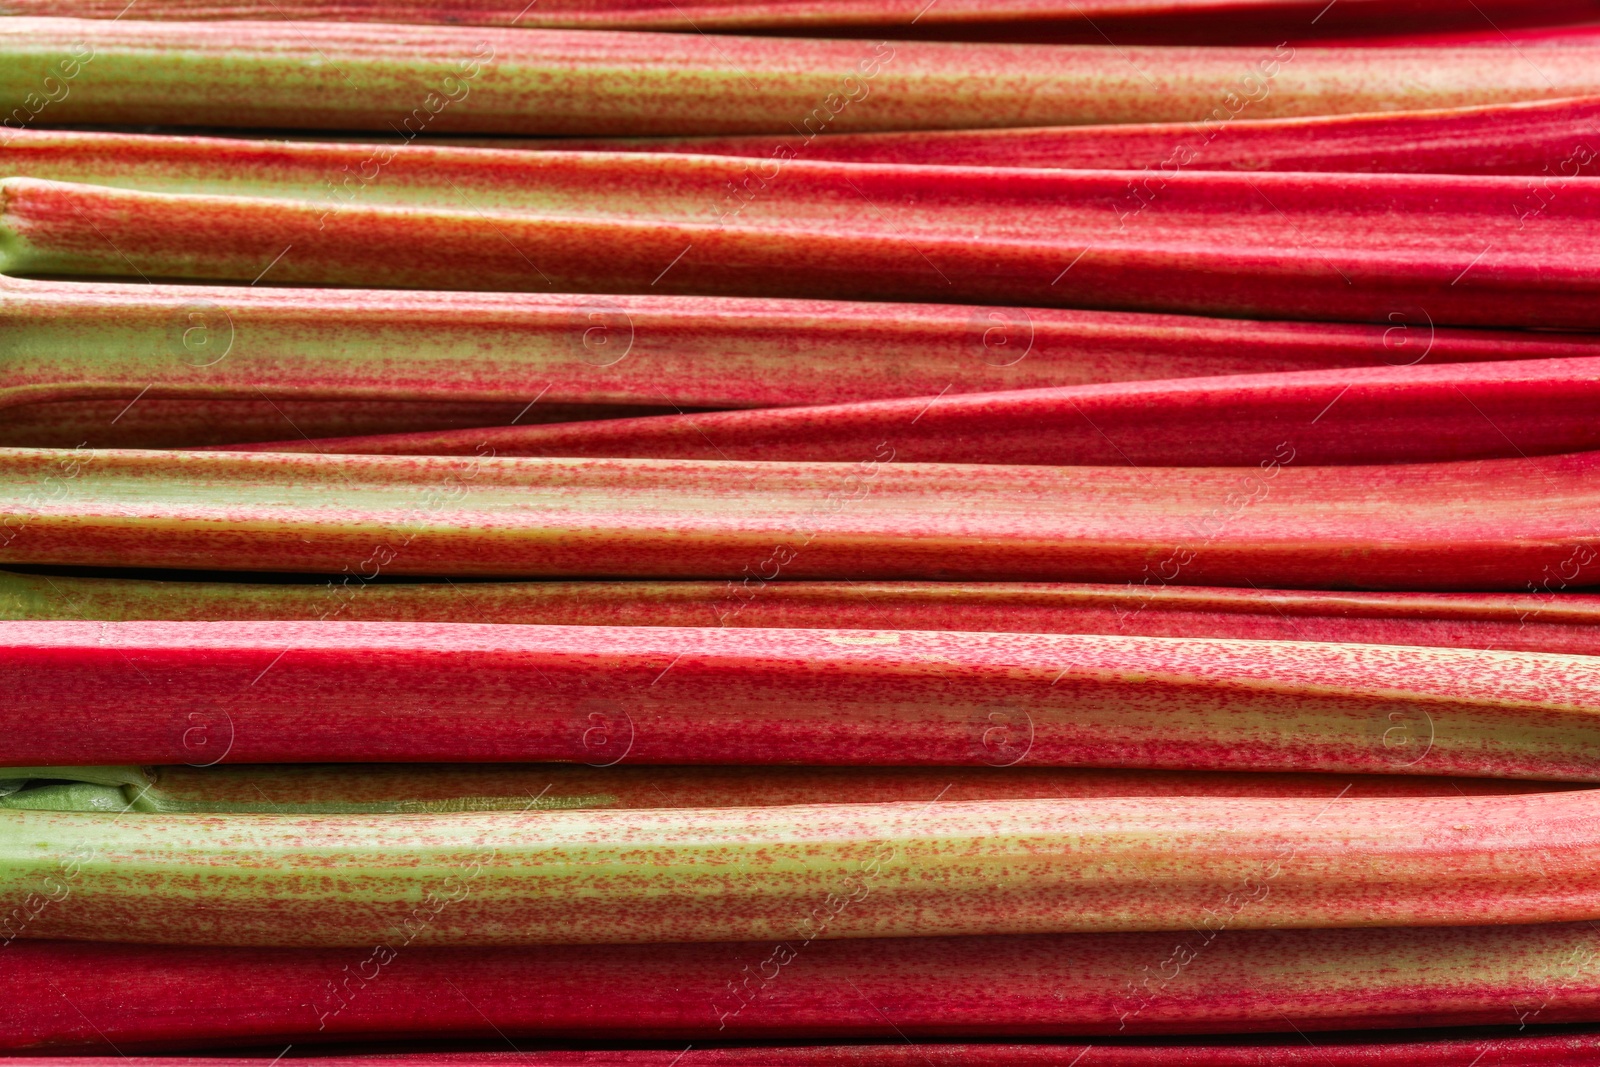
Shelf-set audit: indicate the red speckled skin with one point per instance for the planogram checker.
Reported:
(165, 692)
(1499, 139)
(1550, 620)
(823, 872)
(1474, 525)
(157, 997)
(1496, 1050)
(322, 75)
(1363, 415)
(1091, 21)
(106, 343)
(1389, 248)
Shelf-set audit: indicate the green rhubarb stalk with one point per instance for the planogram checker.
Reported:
(909, 869)
(1547, 617)
(134, 421)
(534, 357)
(1482, 524)
(353, 789)
(439, 79)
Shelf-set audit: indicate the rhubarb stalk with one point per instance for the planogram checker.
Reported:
(1138, 20)
(1364, 415)
(109, 342)
(1553, 139)
(410, 788)
(1208, 980)
(444, 79)
(730, 874)
(1521, 1050)
(1547, 618)
(1480, 524)
(441, 692)
(1399, 249)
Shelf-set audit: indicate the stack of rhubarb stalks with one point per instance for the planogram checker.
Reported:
(800, 533)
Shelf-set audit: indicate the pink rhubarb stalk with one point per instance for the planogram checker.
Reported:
(79, 344)
(1366, 415)
(1552, 139)
(1481, 524)
(276, 692)
(1403, 249)
(1548, 618)
(1206, 980)
(470, 79)
(1091, 20)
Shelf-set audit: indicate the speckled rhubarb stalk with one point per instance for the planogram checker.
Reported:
(1548, 618)
(1208, 980)
(1479, 524)
(1365, 415)
(1556, 139)
(443, 79)
(277, 692)
(1540, 1050)
(409, 788)
(605, 877)
(1091, 20)
(1403, 249)
(111, 342)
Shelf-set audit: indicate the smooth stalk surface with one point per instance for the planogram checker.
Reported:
(1137, 20)
(120, 422)
(411, 788)
(1352, 416)
(1553, 139)
(1482, 524)
(444, 79)
(145, 997)
(278, 692)
(1546, 618)
(110, 342)
(1541, 1050)
(1396, 249)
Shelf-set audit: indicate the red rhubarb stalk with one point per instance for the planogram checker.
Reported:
(1554, 139)
(1366, 415)
(1480, 524)
(1541, 1050)
(280, 692)
(105, 343)
(1277, 245)
(1548, 618)
(468, 79)
(1208, 980)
